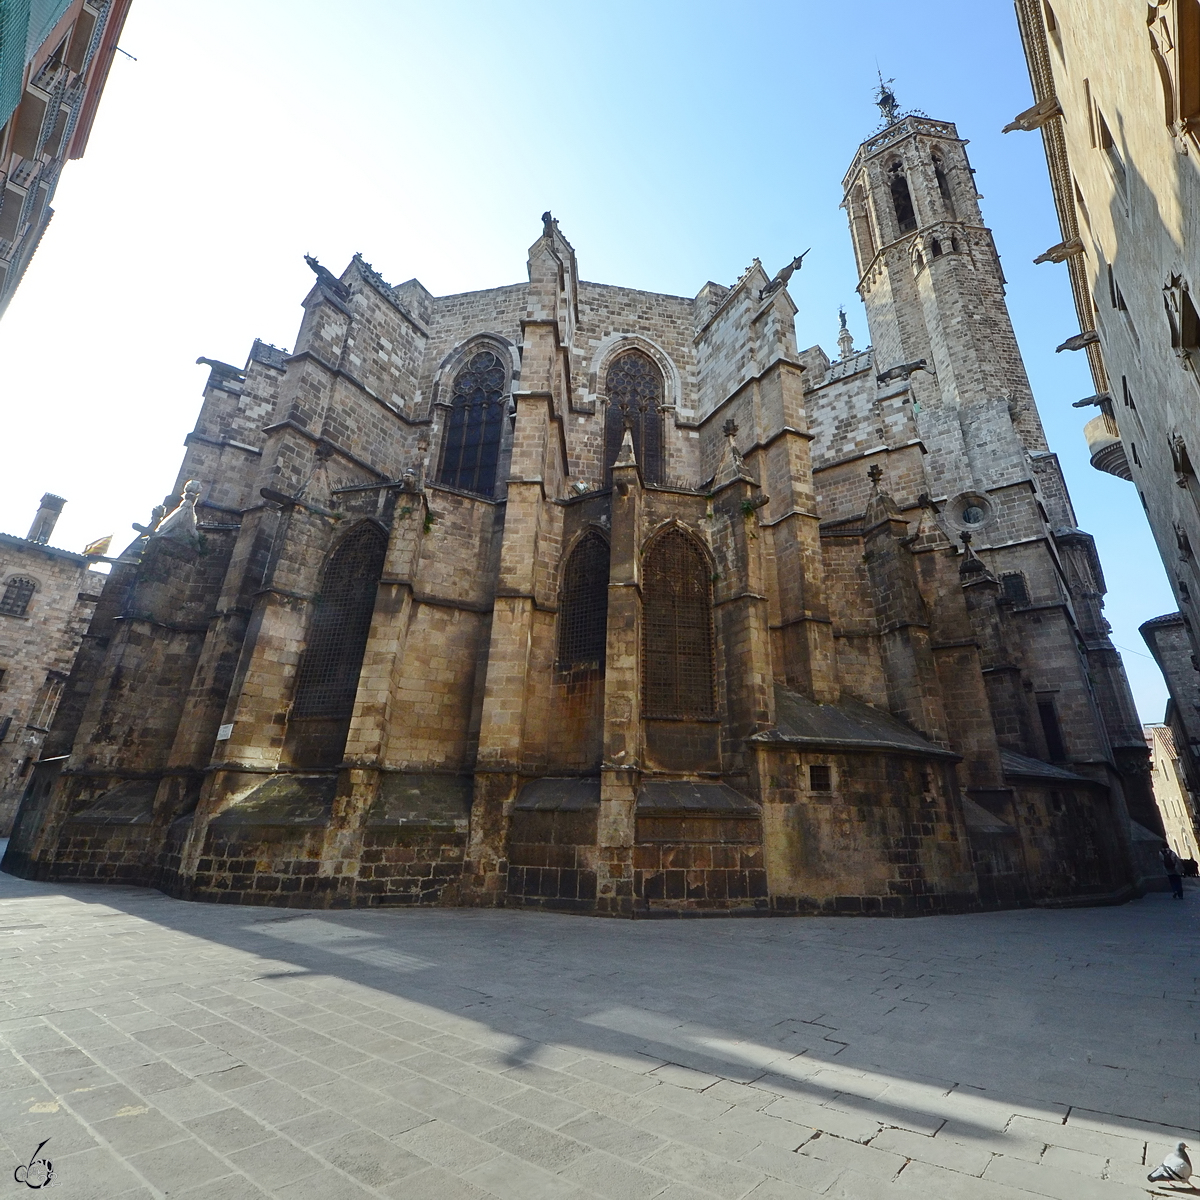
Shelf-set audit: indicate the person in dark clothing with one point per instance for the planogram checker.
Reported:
(1172, 867)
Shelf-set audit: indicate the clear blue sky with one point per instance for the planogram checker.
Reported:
(674, 141)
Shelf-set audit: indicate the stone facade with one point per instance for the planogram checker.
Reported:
(1117, 91)
(572, 596)
(1175, 800)
(1170, 642)
(47, 597)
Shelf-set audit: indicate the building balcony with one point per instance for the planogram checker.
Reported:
(1105, 447)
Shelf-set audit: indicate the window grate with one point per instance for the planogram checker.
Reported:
(1013, 587)
(583, 606)
(471, 450)
(820, 778)
(677, 630)
(634, 389)
(328, 677)
(17, 595)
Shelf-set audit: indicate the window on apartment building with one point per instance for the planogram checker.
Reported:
(633, 386)
(17, 594)
(47, 700)
(1187, 63)
(471, 450)
(583, 606)
(906, 216)
(5, 726)
(677, 630)
(1189, 323)
(1127, 395)
(1051, 729)
(1109, 146)
(1052, 26)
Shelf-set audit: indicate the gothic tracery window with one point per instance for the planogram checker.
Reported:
(327, 680)
(677, 630)
(906, 216)
(634, 387)
(583, 606)
(17, 594)
(471, 449)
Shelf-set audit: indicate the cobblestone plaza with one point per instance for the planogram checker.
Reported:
(175, 1049)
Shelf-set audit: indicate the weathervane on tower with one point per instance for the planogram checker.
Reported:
(885, 98)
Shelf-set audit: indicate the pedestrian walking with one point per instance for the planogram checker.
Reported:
(1172, 866)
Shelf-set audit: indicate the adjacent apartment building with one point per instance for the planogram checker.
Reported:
(47, 597)
(1117, 99)
(54, 61)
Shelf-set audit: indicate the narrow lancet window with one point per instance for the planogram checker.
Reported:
(906, 216)
(943, 184)
(634, 387)
(471, 451)
(327, 681)
(583, 606)
(677, 630)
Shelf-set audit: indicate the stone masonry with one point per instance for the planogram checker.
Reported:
(47, 596)
(572, 596)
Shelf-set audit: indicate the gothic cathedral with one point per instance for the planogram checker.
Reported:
(572, 596)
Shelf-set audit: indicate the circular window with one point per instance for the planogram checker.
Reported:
(970, 512)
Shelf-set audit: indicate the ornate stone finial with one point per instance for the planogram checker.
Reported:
(875, 475)
(845, 337)
(886, 100)
(730, 428)
(625, 456)
(548, 224)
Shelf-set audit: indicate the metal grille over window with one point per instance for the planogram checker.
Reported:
(17, 595)
(583, 606)
(634, 388)
(677, 630)
(329, 670)
(471, 450)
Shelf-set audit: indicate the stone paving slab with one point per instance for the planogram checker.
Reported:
(184, 1050)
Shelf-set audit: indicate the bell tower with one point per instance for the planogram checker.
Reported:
(929, 273)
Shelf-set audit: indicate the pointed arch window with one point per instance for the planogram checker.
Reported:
(583, 606)
(634, 387)
(471, 449)
(327, 680)
(17, 594)
(943, 183)
(906, 216)
(677, 630)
